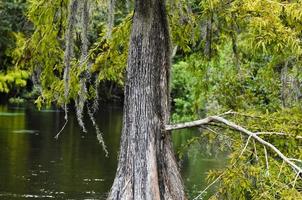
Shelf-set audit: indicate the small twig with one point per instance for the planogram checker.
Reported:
(230, 112)
(266, 161)
(57, 136)
(213, 131)
(294, 184)
(216, 125)
(282, 165)
(245, 146)
(255, 149)
(279, 174)
(202, 192)
(66, 121)
(226, 113)
(277, 133)
(296, 160)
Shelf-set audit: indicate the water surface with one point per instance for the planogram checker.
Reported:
(33, 165)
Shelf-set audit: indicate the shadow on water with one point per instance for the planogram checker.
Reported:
(33, 165)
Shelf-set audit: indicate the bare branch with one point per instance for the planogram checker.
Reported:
(191, 124)
(236, 127)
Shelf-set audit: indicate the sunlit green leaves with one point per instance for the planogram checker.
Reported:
(248, 176)
(12, 79)
(110, 54)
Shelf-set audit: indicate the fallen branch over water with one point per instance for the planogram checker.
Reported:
(219, 119)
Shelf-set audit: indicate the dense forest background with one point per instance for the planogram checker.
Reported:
(240, 55)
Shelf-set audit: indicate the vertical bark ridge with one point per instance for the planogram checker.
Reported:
(147, 168)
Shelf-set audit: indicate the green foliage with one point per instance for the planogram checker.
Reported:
(254, 85)
(183, 25)
(12, 19)
(13, 79)
(228, 55)
(43, 51)
(17, 100)
(190, 87)
(199, 85)
(110, 54)
(251, 42)
(248, 176)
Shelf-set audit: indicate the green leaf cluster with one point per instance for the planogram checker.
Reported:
(13, 79)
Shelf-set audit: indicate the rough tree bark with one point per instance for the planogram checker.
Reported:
(147, 168)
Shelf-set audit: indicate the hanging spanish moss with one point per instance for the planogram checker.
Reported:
(84, 33)
(85, 79)
(82, 94)
(111, 9)
(69, 42)
(95, 105)
(84, 68)
(92, 109)
(99, 134)
(80, 102)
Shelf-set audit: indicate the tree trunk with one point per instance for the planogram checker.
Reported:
(147, 168)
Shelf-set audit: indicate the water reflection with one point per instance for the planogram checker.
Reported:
(35, 165)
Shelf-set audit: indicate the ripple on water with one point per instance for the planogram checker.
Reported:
(34, 196)
(10, 114)
(49, 111)
(93, 180)
(36, 132)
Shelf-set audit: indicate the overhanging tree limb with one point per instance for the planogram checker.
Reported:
(208, 120)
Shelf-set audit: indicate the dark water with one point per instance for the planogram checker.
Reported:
(33, 165)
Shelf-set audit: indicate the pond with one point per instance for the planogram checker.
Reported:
(33, 165)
